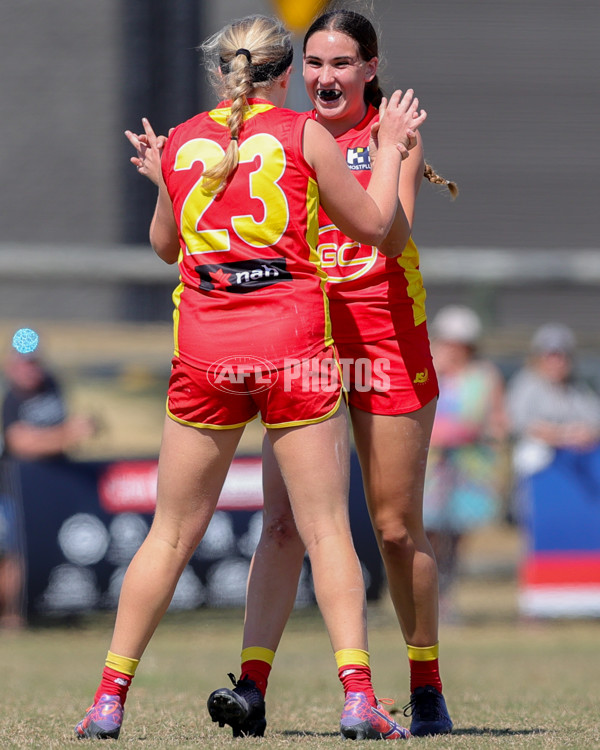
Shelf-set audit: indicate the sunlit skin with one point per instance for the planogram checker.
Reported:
(335, 77)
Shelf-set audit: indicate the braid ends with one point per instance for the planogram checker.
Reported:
(430, 174)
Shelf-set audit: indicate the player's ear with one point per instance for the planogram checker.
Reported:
(371, 69)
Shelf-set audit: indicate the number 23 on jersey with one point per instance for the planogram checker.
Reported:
(266, 156)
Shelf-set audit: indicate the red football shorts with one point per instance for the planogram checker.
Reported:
(235, 391)
(391, 376)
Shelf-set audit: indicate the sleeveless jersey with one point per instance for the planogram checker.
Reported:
(371, 297)
(250, 282)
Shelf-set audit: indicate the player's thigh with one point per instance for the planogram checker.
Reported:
(315, 463)
(193, 465)
(274, 489)
(392, 450)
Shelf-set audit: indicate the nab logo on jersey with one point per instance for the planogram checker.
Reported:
(358, 158)
(243, 276)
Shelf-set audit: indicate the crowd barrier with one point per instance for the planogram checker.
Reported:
(78, 524)
(84, 521)
(560, 571)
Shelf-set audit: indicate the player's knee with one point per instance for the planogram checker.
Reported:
(394, 539)
(400, 535)
(282, 530)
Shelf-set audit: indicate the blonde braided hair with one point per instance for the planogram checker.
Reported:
(243, 57)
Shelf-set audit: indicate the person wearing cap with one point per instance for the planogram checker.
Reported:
(35, 426)
(462, 483)
(548, 405)
(35, 423)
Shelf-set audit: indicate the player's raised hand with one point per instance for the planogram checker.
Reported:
(399, 120)
(148, 147)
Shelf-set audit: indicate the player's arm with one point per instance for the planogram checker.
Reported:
(411, 178)
(164, 236)
(366, 218)
(354, 212)
(363, 216)
(149, 148)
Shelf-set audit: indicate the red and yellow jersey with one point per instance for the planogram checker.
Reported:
(371, 297)
(250, 282)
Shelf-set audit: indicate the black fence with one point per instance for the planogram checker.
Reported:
(79, 524)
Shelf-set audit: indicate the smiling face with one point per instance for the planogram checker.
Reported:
(335, 78)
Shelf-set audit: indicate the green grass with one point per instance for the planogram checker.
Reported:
(508, 684)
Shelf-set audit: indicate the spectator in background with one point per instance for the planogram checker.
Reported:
(462, 483)
(35, 423)
(549, 406)
(35, 426)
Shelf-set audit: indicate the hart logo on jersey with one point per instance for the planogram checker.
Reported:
(358, 158)
(243, 276)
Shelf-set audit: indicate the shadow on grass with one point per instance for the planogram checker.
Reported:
(488, 731)
(298, 733)
(465, 731)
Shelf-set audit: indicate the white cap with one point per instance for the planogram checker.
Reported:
(553, 337)
(457, 323)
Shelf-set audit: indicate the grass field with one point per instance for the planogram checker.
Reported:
(509, 684)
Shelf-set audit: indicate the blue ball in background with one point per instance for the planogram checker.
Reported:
(25, 340)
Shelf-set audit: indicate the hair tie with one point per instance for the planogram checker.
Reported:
(234, 137)
(264, 71)
(243, 51)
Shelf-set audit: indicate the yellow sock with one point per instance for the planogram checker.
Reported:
(258, 653)
(351, 656)
(256, 665)
(423, 653)
(354, 672)
(121, 663)
(116, 676)
(424, 666)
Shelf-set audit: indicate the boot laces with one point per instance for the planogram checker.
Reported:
(246, 688)
(425, 704)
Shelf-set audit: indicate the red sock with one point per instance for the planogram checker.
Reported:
(113, 683)
(357, 679)
(425, 673)
(258, 671)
